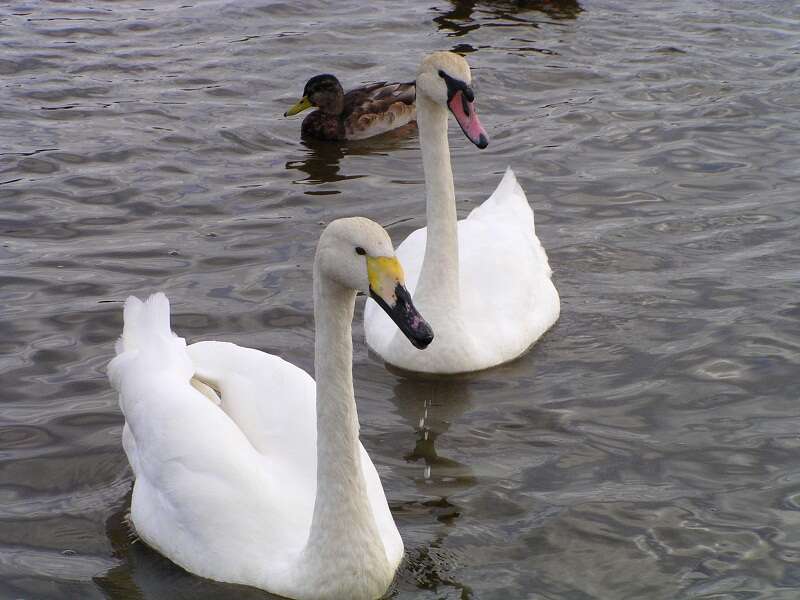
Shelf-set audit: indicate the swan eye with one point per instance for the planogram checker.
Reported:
(360, 250)
(441, 73)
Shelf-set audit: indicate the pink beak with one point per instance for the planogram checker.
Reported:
(466, 115)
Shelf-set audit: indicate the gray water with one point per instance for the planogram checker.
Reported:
(646, 448)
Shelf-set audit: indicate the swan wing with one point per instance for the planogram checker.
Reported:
(282, 425)
(272, 401)
(508, 298)
(199, 478)
(390, 536)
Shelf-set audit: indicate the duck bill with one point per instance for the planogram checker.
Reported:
(301, 105)
(386, 288)
(467, 116)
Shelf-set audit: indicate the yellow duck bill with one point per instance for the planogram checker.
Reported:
(301, 105)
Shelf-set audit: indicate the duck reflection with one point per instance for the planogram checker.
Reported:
(321, 162)
(459, 20)
(444, 401)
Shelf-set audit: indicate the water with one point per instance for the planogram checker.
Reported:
(646, 448)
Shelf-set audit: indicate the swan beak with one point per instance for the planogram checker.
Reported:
(299, 107)
(461, 102)
(386, 287)
(462, 105)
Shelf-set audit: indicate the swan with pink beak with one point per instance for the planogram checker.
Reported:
(483, 282)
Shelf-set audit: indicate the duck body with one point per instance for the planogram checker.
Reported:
(246, 470)
(506, 299)
(360, 113)
(483, 282)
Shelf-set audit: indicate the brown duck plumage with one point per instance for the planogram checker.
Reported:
(360, 113)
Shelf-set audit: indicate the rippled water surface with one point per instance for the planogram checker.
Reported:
(646, 448)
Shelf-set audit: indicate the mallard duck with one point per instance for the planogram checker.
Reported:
(360, 113)
(483, 282)
(246, 470)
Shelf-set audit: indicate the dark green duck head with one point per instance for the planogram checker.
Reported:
(321, 91)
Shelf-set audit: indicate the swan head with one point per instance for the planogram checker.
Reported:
(445, 78)
(323, 91)
(358, 254)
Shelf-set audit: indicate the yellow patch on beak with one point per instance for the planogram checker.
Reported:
(385, 273)
(299, 107)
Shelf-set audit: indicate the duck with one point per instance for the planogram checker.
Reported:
(483, 282)
(245, 469)
(360, 113)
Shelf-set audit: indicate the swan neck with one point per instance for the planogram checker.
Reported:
(439, 273)
(333, 371)
(342, 512)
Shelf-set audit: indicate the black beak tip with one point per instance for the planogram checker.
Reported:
(286, 114)
(406, 317)
(482, 142)
(422, 339)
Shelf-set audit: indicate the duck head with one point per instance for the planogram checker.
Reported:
(322, 91)
(445, 78)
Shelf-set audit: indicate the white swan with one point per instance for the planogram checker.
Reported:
(245, 470)
(484, 282)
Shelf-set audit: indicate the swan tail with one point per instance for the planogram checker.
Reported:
(507, 203)
(508, 188)
(147, 342)
(143, 321)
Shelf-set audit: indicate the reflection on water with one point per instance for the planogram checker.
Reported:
(429, 406)
(322, 160)
(430, 568)
(459, 19)
(321, 163)
(645, 448)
